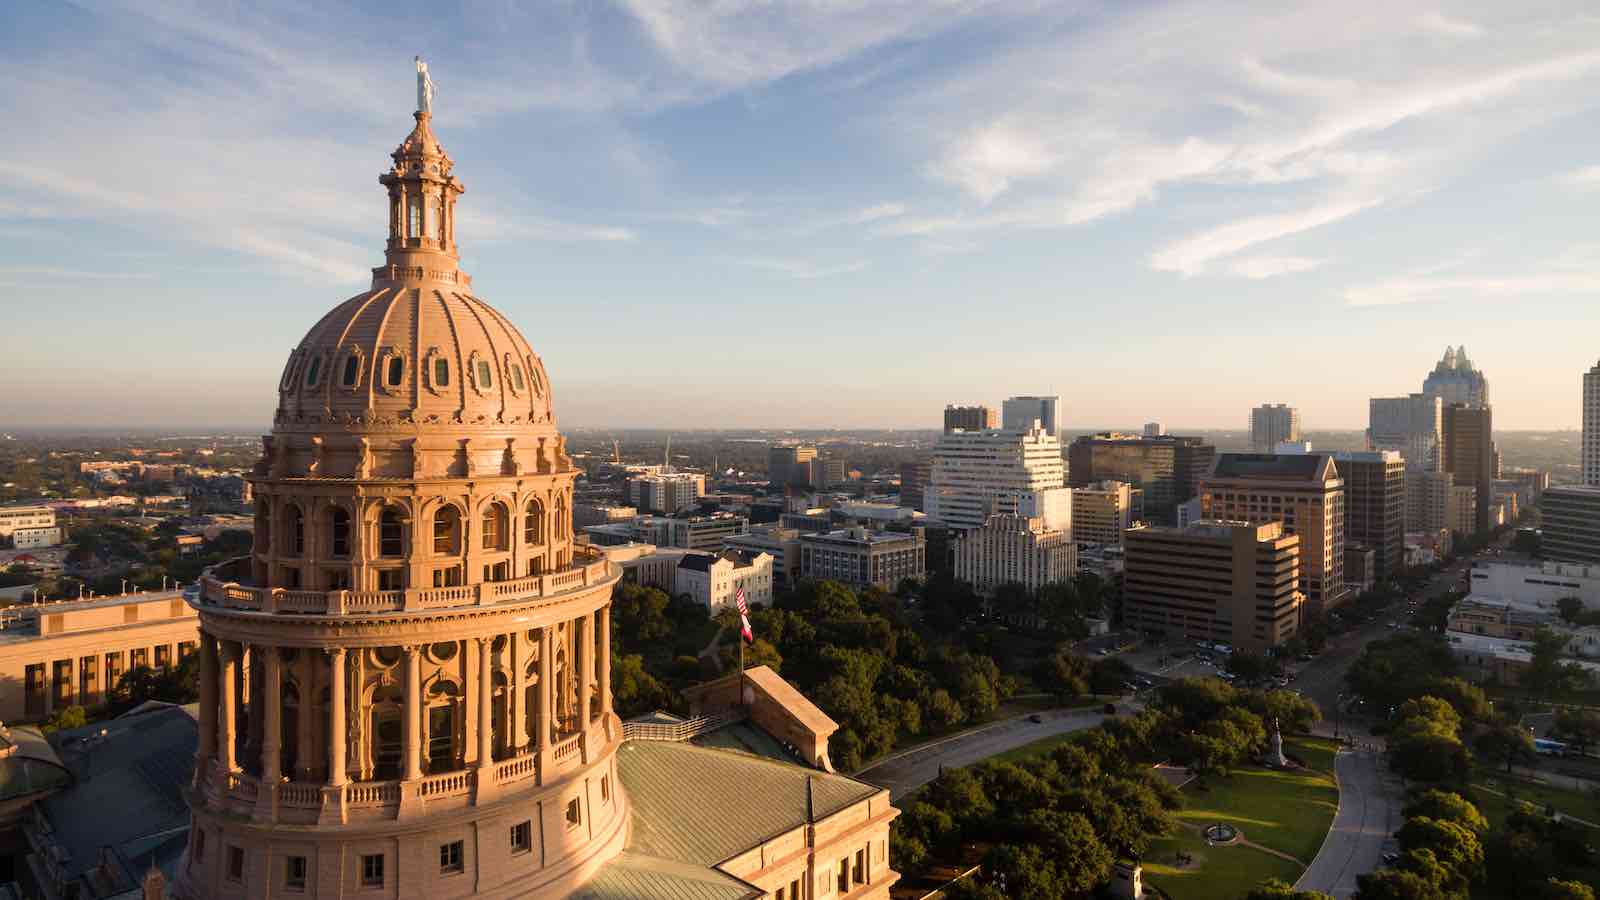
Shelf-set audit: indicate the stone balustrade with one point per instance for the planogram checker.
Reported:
(553, 585)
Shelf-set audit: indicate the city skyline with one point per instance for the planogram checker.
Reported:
(643, 176)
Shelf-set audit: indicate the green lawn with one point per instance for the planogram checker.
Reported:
(1287, 811)
(1218, 873)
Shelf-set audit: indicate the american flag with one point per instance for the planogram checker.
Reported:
(744, 616)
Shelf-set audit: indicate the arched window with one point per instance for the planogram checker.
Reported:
(495, 527)
(352, 370)
(485, 374)
(313, 370)
(533, 523)
(294, 531)
(414, 225)
(447, 531)
(441, 372)
(559, 526)
(397, 371)
(339, 531)
(391, 534)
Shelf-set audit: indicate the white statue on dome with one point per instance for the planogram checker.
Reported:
(424, 88)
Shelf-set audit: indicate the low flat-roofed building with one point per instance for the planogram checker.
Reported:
(1215, 580)
(1504, 659)
(70, 653)
(861, 558)
(1538, 585)
(586, 514)
(35, 521)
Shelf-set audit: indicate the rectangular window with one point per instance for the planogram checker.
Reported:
(236, 863)
(372, 870)
(414, 219)
(450, 858)
(484, 375)
(163, 656)
(794, 889)
(352, 370)
(522, 837)
(139, 657)
(844, 875)
(294, 875)
(397, 370)
(605, 788)
(391, 579)
(441, 373)
(574, 813)
(858, 874)
(450, 577)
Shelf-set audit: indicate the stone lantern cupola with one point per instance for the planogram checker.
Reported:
(422, 206)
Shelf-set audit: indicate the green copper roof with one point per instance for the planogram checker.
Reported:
(632, 876)
(702, 805)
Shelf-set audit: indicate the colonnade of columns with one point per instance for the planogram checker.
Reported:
(569, 703)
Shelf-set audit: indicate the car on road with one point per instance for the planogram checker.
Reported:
(1391, 858)
(1036, 718)
(1105, 651)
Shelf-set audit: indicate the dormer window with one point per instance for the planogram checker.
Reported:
(441, 373)
(352, 370)
(517, 383)
(313, 371)
(484, 379)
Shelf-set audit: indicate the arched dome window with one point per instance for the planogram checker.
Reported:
(496, 530)
(313, 371)
(391, 534)
(339, 531)
(294, 531)
(395, 371)
(533, 523)
(351, 376)
(447, 531)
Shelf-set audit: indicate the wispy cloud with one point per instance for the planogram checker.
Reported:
(1397, 291)
(1587, 177)
(1261, 267)
(1192, 255)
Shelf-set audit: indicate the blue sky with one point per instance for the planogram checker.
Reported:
(812, 214)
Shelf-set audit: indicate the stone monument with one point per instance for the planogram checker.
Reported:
(1276, 756)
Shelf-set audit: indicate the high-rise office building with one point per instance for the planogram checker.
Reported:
(788, 465)
(1101, 512)
(1154, 429)
(1227, 581)
(1412, 425)
(1570, 523)
(1167, 469)
(971, 418)
(1454, 380)
(1428, 500)
(1272, 424)
(1019, 414)
(1017, 549)
(1375, 506)
(977, 474)
(914, 478)
(1469, 454)
(1591, 426)
(1305, 493)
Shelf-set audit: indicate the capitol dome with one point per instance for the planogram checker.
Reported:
(416, 376)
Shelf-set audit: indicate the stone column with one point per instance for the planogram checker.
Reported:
(542, 716)
(338, 746)
(413, 720)
(208, 705)
(271, 719)
(603, 656)
(485, 773)
(305, 749)
(228, 753)
(583, 637)
(333, 810)
(517, 740)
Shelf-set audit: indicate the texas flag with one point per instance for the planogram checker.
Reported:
(744, 617)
